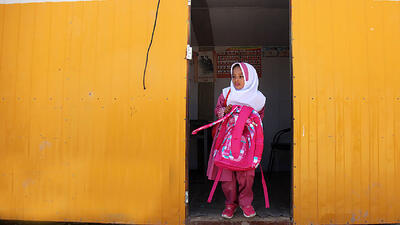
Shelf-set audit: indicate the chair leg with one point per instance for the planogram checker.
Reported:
(205, 150)
(270, 164)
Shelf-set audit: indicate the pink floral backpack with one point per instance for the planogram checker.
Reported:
(239, 144)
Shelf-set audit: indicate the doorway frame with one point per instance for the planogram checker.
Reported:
(187, 118)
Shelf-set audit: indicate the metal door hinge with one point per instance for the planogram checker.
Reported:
(189, 52)
(186, 197)
(189, 2)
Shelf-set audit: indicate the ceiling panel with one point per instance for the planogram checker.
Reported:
(283, 4)
(250, 26)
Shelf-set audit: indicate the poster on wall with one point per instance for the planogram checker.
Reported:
(204, 66)
(226, 58)
(276, 51)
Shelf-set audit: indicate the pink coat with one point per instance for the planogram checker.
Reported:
(227, 175)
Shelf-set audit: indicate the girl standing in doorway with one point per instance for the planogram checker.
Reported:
(243, 90)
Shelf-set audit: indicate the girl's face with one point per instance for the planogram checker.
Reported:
(238, 78)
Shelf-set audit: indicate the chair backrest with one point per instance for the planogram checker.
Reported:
(278, 135)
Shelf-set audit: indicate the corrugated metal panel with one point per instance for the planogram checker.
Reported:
(346, 109)
(80, 140)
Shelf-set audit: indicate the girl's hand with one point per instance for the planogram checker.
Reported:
(228, 109)
(256, 162)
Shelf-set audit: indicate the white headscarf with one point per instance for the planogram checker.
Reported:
(249, 94)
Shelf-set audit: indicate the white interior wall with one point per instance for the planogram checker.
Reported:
(193, 90)
(250, 26)
(241, 23)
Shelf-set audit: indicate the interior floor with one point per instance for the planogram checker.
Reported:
(278, 191)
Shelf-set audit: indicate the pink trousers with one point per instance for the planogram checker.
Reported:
(245, 180)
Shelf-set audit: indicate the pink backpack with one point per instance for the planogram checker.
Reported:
(239, 144)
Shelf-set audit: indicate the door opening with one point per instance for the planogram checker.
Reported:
(257, 32)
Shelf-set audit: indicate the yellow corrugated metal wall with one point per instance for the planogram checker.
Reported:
(346, 69)
(80, 140)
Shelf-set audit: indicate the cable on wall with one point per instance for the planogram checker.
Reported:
(148, 50)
